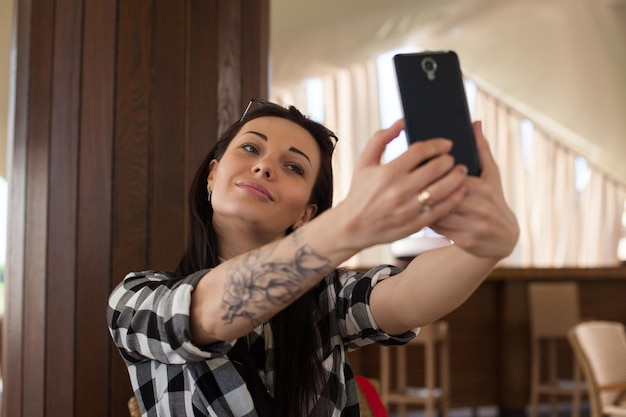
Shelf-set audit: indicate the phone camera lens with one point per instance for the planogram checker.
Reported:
(429, 65)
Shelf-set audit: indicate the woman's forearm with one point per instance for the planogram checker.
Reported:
(249, 289)
(433, 284)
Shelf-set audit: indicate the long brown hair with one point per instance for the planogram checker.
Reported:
(298, 372)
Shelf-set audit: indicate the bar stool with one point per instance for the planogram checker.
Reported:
(554, 309)
(434, 341)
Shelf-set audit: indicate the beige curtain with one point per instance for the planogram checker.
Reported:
(351, 111)
(602, 205)
(560, 226)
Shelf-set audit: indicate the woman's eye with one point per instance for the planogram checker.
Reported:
(296, 168)
(249, 148)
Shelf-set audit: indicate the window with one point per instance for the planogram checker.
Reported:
(389, 104)
(470, 92)
(582, 173)
(315, 99)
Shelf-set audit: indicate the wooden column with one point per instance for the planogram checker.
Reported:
(116, 104)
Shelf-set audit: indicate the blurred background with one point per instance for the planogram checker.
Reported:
(548, 79)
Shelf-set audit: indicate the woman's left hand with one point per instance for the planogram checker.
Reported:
(482, 224)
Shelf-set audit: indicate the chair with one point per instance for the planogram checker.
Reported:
(600, 348)
(370, 402)
(434, 340)
(554, 309)
(133, 407)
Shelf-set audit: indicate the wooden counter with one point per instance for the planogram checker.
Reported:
(489, 335)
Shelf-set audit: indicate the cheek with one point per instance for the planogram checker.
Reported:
(223, 176)
(300, 196)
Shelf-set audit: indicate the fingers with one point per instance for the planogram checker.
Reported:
(424, 187)
(490, 170)
(486, 232)
(438, 191)
(484, 152)
(481, 224)
(376, 146)
(434, 205)
(425, 200)
(419, 152)
(416, 154)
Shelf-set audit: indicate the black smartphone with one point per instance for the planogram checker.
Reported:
(434, 103)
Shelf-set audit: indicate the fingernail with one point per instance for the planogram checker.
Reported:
(447, 144)
(463, 169)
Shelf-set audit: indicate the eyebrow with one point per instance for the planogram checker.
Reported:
(292, 149)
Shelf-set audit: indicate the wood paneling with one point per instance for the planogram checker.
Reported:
(59, 280)
(168, 109)
(37, 216)
(229, 62)
(255, 36)
(95, 208)
(201, 89)
(117, 102)
(130, 220)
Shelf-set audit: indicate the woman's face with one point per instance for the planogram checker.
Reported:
(266, 176)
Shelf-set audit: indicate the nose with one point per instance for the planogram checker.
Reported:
(264, 168)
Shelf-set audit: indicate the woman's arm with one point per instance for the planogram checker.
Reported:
(382, 206)
(484, 230)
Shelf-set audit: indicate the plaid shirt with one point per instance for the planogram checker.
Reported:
(148, 317)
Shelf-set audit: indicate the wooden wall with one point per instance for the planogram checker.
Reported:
(116, 104)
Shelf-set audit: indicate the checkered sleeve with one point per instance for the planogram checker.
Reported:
(356, 324)
(148, 318)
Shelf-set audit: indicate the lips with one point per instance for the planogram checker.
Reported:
(255, 188)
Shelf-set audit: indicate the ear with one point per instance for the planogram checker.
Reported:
(309, 212)
(212, 168)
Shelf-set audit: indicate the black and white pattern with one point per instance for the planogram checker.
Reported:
(148, 317)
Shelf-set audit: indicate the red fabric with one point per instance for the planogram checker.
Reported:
(372, 396)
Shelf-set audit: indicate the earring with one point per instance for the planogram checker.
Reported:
(209, 193)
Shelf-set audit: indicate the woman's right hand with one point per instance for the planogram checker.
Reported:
(382, 204)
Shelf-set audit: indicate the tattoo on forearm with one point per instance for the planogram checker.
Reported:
(254, 284)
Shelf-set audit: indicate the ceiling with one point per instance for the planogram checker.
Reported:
(563, 60)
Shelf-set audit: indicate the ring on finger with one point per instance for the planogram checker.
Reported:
(425, 200)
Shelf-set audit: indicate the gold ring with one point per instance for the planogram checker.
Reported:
(425, 200)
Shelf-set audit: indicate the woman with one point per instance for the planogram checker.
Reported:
(257, 318)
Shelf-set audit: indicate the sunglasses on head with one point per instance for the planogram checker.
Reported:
(260, 102)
